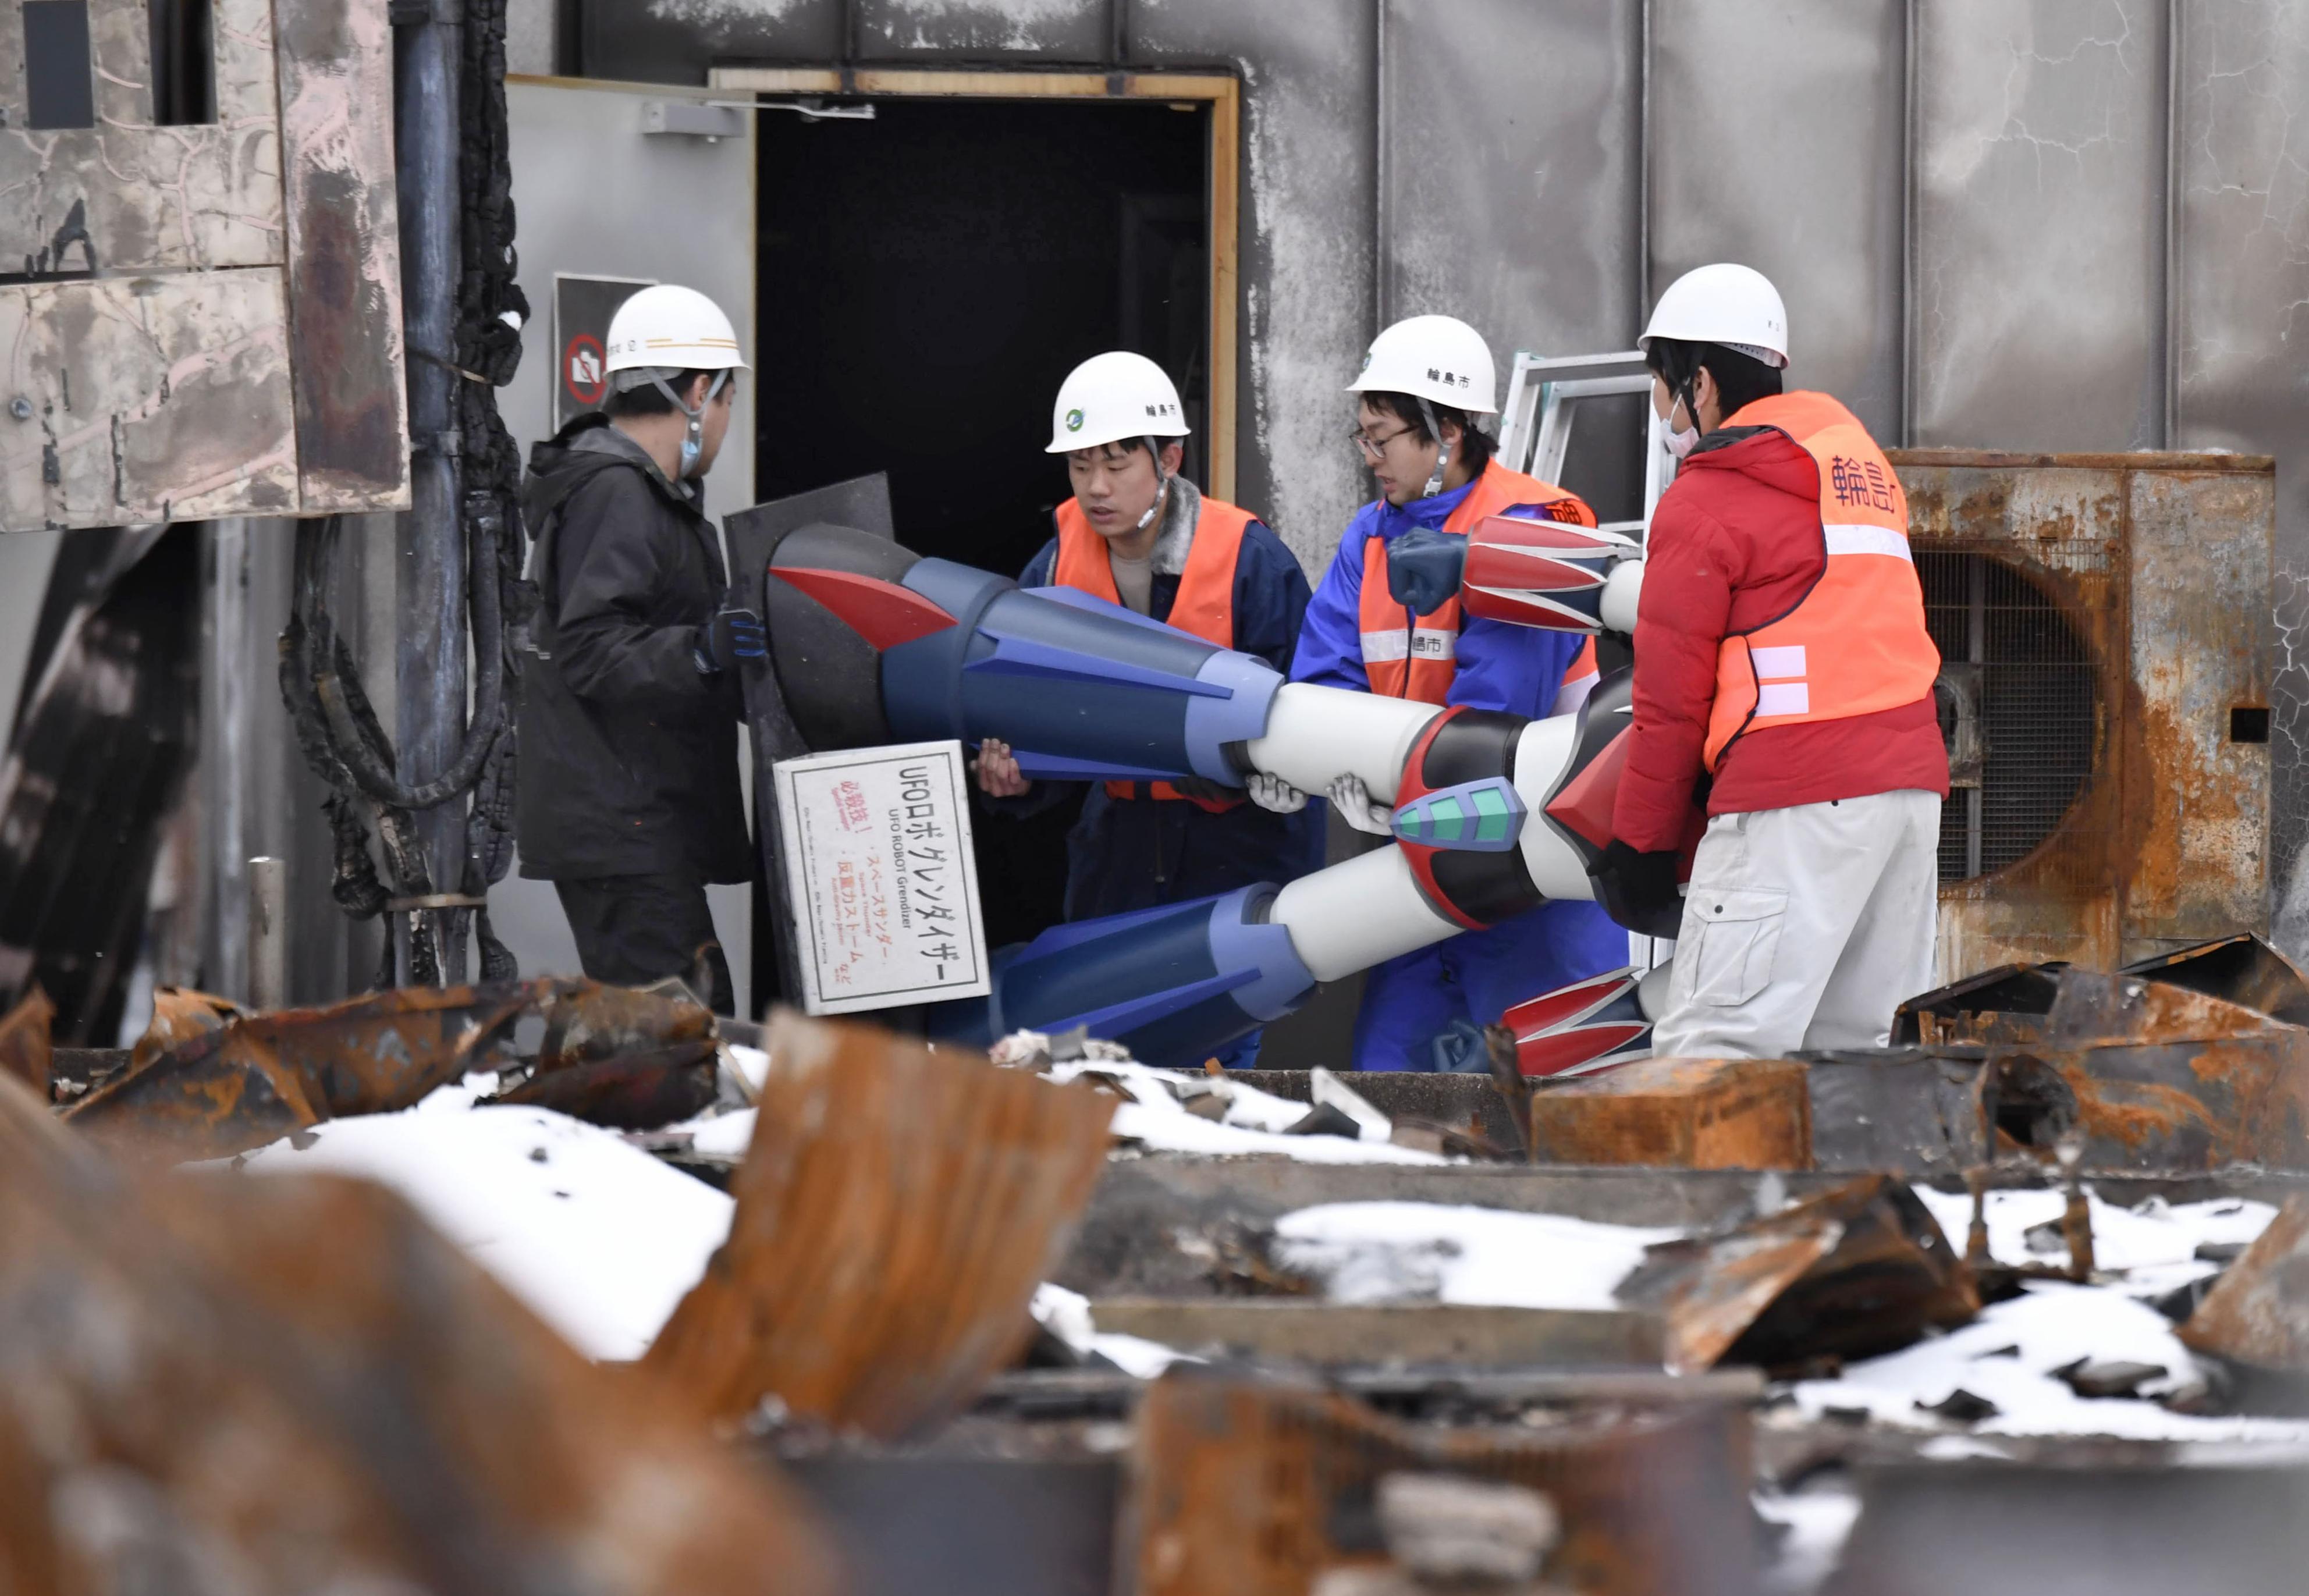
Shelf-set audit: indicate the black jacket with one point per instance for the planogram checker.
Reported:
(628, 755)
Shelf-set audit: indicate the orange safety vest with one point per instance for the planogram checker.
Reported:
(1856, 644)
(1416, 657)
(1205, 604)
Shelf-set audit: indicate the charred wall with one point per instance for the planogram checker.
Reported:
(2042, 225)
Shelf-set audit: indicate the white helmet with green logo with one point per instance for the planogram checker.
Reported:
(1111, 397)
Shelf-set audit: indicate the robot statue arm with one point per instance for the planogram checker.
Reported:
(1492, 814)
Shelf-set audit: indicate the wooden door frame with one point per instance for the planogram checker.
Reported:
(1223, 95)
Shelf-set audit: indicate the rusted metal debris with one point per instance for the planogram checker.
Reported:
(2178, 1063)
(1259, 1488)
(25, 1049)
(2008, 1003)
(628, 1058)
(895, 1211)
(635, 1092)
(2168, 1078)
(2244, 969)
(1686, 1113)
(181, 1013)
(2153, 572)
(2013, 1003)
(2257, 1313)
(389, 1417)
(1852, 1272)
(257, 1077)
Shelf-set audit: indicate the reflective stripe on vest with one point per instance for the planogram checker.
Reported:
(1416, 657)
(1204, 605)
(1856, 644)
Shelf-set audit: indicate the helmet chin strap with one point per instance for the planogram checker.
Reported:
(1162, 484)
(1442, 452)
(693, 442)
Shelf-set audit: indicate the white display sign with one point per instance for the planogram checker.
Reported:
(880, 878)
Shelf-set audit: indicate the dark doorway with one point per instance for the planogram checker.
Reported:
(927, 279)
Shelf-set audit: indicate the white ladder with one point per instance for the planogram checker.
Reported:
(1535, 425)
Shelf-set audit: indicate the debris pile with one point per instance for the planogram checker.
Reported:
(1281, 1330)
(297, 1385)
(894, 1217)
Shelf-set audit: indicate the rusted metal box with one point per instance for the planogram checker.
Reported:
(204, 318)
(2104, 625)
(1681, 1113)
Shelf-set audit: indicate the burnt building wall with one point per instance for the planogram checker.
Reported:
(2078, 225)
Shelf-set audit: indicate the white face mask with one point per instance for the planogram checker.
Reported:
(1681, 441)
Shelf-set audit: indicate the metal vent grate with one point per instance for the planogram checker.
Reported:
(2018, 670)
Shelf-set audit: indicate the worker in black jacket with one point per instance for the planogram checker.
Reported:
(628, 797)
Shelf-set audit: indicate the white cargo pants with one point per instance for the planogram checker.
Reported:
(1804, 929)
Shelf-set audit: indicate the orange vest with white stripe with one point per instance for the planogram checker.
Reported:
(1856, 644)
(1416, 657)
(1204, 605)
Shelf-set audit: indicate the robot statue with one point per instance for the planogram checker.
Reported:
(1493, 814)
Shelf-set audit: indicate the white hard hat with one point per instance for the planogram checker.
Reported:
(1115, 396)
(670, 328)
(1732, 304)
(1437, 357)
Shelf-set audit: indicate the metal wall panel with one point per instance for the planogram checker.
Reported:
(674, 41)
(1815, 202)
(2241, 280)
(1048, 32)
(344, 254)
(1510, 137)
(146, 399)
(2036, 300)
(124, 195)
(570, 145)
(1307, 231)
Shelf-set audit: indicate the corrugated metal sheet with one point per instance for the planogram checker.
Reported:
(1815, 202)
(1512, 170)
(2037, 264)
(1308, 225)
(2240, 291)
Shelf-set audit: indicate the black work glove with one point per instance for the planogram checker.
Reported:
(1424, 568)
(731, 636)
(1638, 890)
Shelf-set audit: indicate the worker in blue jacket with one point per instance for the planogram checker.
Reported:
(1136, 533)
(1425, 380)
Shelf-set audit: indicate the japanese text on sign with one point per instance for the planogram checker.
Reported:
(880, 878)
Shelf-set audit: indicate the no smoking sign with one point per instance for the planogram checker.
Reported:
(581, 308)
(582, 370)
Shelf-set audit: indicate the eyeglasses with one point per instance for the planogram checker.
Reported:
(1373, 447)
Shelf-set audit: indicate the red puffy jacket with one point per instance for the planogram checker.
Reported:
(1736, 543)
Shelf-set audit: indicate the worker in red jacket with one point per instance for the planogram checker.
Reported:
(1784, 674)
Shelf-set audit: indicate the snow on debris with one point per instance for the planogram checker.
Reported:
(2155, 1243)
(1397, 1252)
(1154, 1115)
(1066, 1314)
(2007, 1355)
(599, 1237)
(1411, 1252)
